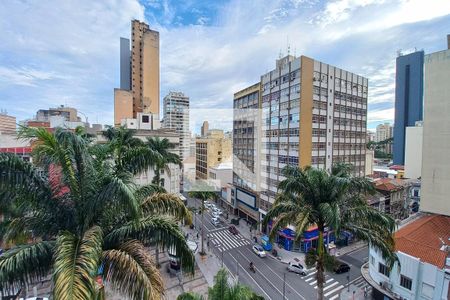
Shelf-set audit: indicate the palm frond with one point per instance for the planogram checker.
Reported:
(159, 230)
(76, 265)
(130, 270)
(25, 265)
(167, 204)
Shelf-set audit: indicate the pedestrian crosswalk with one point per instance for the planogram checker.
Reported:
(361, 283)
(225, 240)
(331, 287)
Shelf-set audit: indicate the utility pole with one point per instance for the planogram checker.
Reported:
(348, 283)
(237, 270)
(222, 257)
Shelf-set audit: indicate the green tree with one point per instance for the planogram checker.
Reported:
(84, 217)
(203, 196)
(335, 199)
(162, 147)
(223, 290)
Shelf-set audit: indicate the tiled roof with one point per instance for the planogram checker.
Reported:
(424, 238)
(389, 184)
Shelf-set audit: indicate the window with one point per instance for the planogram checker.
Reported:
(383, 269)
(145, 119)
(405, 282)
(372, 260)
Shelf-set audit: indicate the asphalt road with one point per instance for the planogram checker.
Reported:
(271, 279)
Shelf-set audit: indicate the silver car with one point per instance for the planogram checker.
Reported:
(296, 268)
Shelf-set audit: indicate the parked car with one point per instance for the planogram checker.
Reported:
(341, 267)
(233, 230)
(259, 250)
(296, 267)
(215, 222)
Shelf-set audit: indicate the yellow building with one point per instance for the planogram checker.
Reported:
(210, 151)
(139, 73)
(7, 124)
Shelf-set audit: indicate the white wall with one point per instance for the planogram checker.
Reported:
(428, 282)
(436, 134)
(413, 152)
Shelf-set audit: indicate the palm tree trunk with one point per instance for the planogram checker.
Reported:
(157, 257)
(320, 264)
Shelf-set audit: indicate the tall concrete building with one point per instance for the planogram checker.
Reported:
(7, 123)
(408, 99)
(436, 134)
(211, 151)
(205, 128)
(327, 126)
(247, 149)
(176, 116)
(69, 114)
(139, 74)
(384, 132)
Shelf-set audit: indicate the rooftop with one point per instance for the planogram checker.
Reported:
(426, 238)
(389, 184)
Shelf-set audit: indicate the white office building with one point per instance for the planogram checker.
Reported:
(176, 116)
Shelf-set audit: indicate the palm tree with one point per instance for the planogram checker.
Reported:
(222, 290)
(316, 197)
(162, 147)
(84, 219)
(203, 196)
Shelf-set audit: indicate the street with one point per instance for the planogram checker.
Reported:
(271, 279)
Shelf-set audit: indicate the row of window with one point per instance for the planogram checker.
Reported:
(289, 91)
(284, 132)
(405, 281)
(349, 98)
(349, 122)
(283, 79)
(349, 134)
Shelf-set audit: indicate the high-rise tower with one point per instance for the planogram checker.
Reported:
(139, 74)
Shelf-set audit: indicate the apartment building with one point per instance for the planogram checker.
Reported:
(176, 117)
(7, 123)
(383, 133)
(313, 114)
(139, 73)
(210, 151)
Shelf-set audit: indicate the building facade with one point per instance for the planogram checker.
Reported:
(247, 151)
(176, 117)
(395, 193)
(383, 133)
(205, 128)
(422, 247)
(139, 73)
(210, 151)
(408, 99)
(69, 114)
(436, 134)
(327, 126)
(413, 151)
(7, 123)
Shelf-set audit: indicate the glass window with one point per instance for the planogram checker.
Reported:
(405, 282)
(383, 269)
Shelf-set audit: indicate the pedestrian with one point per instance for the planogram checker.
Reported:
(365, 291)
(197, 235)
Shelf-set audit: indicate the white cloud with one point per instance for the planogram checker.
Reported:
(384, 115)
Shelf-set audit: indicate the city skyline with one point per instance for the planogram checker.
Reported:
(77, 65)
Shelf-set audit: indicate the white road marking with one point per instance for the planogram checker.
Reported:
(313, 282)
(331, 285)
(334, 297)
(280, 278)
(242, 268)
(312, 273)
(309, 279)
(335, 290)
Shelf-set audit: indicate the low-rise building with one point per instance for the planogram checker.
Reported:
(211, 151)
(221, 175)
(422, 247)
(395, 193)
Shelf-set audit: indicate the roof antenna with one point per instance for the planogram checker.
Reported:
(280, 55)
(295, 51)
(288, 46)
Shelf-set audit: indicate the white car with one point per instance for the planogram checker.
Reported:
(215, 214)
(215, 222)
(296, 267)
(259, 250)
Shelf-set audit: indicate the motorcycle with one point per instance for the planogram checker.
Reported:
(252, 268)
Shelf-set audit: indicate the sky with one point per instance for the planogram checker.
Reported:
(67, 52)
